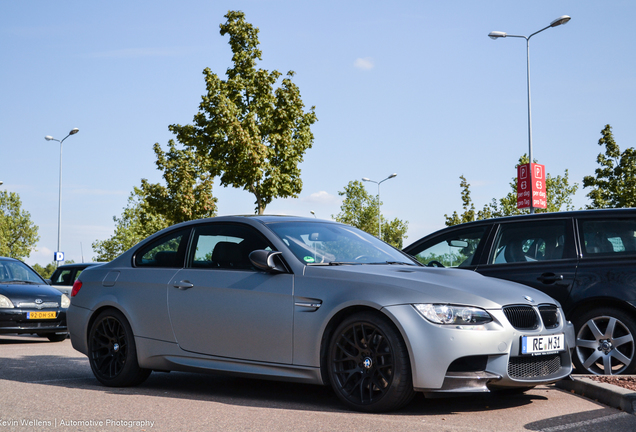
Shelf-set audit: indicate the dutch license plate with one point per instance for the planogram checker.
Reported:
(542, 344)
(42, 315)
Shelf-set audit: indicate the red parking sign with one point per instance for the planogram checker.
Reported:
(531, 186)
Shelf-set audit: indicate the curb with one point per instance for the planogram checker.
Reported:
(607, 394)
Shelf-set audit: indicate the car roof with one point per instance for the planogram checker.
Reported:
(546, 215)
(78, 265)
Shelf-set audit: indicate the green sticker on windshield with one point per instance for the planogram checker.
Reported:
(309, 259)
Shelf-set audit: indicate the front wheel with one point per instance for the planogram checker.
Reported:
(56, 337)
(112, 353)
(368, 364)
(605, 342)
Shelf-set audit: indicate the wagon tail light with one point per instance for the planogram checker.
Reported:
(76, 287)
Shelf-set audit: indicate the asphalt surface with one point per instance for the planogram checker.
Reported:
(49, 386)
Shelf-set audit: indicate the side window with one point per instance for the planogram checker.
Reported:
(529, 242)
(167, 251)
(225, 246)
(64, 278)
(456, 249)
(608, 236)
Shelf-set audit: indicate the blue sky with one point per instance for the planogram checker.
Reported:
(411, 87)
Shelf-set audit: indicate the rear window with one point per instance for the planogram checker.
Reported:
(608, 236)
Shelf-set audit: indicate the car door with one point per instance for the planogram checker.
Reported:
(537, 253)
(220, 305)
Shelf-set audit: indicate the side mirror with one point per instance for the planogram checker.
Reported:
(264, 260)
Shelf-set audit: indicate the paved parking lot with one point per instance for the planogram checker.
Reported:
(49, 386)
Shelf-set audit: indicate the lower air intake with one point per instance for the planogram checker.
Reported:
(534, 367)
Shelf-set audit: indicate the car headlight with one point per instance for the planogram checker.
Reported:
(453, 314)
(66, 302)
(5, 303)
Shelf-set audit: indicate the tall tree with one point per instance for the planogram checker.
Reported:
(614, 182)
(360, 209)
(187, 195)
(251, 135)
(18, 234)
(559, 194)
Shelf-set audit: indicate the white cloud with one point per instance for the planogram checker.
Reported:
(365, 63)
(321, 197)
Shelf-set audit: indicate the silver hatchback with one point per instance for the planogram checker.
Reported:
(316, 302)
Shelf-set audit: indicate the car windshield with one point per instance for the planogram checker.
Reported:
(18, 272)
(320, 243)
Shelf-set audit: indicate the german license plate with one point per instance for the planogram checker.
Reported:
(542, 344)
(42, 315)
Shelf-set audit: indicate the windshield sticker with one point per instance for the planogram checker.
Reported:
(309, 259)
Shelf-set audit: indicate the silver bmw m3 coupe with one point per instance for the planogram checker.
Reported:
(312, 301)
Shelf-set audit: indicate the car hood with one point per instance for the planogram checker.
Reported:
(26, 292)
(400, 284)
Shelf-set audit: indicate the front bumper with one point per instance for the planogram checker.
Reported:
(450, 359)
(15, 321)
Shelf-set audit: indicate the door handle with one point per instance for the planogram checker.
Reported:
(183, 285)
(550, 278)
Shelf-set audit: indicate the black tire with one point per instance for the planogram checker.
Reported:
(605, 342)
(368, 364)
(112, 353)
(54, 337)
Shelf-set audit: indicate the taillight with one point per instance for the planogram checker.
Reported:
(76, 287)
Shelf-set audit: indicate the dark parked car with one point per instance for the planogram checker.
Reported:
(28, 305)
(584, 259)
(312, 301)
(64, 276)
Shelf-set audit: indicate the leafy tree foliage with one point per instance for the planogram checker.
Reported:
(187, 195)
(559, 194)
(18, 234)
(614, 182)
(251, 135)
(360, 209)
(45, 272)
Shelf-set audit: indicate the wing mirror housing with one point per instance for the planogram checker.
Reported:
(264, 260)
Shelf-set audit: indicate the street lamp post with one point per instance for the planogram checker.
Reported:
(498, 34)
(59, 213)
(379, 203)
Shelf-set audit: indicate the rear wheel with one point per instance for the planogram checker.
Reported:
(605, 342)
(368, 364)
(112, 353)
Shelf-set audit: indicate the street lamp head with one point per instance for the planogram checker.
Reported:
(560, 20)
(49, 138)
(366, 179)
(393, 175)
(74, 131)
(497, 34)
(312, 212)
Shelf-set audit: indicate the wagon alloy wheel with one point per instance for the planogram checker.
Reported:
(112, 352)
(605, 343)
(369, 365)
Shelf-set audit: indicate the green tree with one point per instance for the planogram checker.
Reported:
(18, 234)
(614, 183)
(188, 191)
(45, 272)
(251, 135)
(559, 195)
(360, 209)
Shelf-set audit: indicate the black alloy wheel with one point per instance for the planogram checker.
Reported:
(112, 351)
(369, 366)
(605, 342)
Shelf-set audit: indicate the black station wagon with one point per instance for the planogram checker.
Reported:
(585, 259)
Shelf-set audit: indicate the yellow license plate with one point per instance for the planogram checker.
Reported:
(41, 315)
